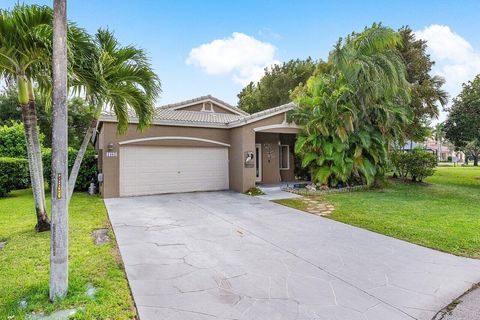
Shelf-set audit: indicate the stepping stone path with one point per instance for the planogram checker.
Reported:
(318, 208)
(91, 291)
(2, 245)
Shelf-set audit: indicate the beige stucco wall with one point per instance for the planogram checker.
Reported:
(240, 139)
(271, 172)
(245, 137)
(110, 165)
(289, 139)
(270, 164)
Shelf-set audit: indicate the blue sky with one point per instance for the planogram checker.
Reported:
(252, 34)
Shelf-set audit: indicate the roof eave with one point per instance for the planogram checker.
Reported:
(261, 115)
(200, 124)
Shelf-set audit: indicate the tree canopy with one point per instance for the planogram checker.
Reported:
(275, 86)
(463, 121)
(79, 116)
(426, 90)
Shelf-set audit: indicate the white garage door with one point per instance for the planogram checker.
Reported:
(151, 170)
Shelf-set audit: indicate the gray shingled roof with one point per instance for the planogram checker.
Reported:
(195, 116)
(168, 116)
(191, 101)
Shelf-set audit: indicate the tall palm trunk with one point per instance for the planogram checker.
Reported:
(72, 179)
(439, 149)
(29, 118)
(59, 235)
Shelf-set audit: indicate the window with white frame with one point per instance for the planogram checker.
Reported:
(283, 157)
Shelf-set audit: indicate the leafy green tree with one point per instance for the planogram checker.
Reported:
(426, 90)
(9, 113)
(275, 86)
(351, 115)
(463, 121)
(472, 149)
(8, 107)
(79, 115)
(122, 79)
(12, 141)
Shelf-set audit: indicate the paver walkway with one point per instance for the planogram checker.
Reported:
(317, 207)
(223, 255)
(275, 192)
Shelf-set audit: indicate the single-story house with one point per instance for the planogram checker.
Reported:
(202, 144)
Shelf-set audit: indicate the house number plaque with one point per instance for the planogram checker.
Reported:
(59, 186)
(249, 159)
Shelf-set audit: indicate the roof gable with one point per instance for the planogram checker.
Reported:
(206, 103)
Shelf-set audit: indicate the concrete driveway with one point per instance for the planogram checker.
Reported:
(224, 255)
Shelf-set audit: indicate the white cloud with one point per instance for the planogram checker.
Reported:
(241, 55)
(455, 58)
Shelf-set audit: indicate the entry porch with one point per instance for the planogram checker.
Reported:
(274, 158)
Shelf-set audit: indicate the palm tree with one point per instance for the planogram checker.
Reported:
(119, 78)
(59, 236)
(25, 61)
(371, 64)
(439, 135)
(24, 54)
(352, 114)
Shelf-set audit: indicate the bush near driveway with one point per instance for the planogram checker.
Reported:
(13, 172)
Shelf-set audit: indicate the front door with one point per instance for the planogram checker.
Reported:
(258, 162)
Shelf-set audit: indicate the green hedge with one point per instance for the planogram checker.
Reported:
(12, 141)
(13, 145)
(88, 169)
(12, 171)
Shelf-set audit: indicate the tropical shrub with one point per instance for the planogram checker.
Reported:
(88, 169)
(400, 163)
(422, 164)
(352, 114)
(12, 170)
(417, 164)
(12, 141)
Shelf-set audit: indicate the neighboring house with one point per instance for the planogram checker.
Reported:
(201, 144)
(447, 150)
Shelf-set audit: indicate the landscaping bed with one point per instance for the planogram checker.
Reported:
(318, 192)
(24, 263)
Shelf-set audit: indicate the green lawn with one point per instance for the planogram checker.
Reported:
(24, 262)
(443, 214)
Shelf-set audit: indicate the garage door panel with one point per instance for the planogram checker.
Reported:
(152, 170)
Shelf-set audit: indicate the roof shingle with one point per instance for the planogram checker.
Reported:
(169, 116)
